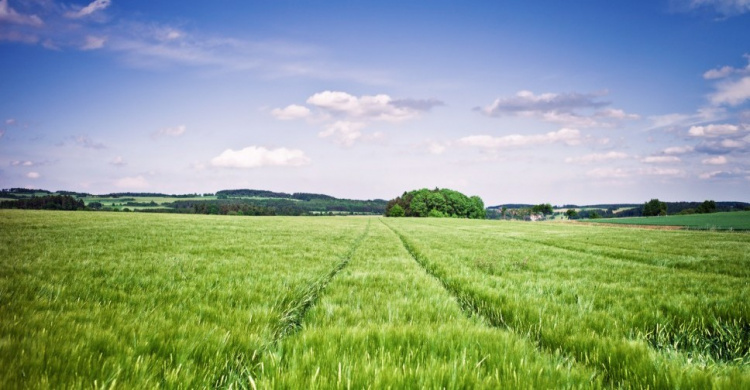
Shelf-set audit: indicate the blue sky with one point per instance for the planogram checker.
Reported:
(514, 101)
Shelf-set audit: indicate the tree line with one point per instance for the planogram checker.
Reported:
(435, 203)
(48, 202)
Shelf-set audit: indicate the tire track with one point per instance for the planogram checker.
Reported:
(292, 308)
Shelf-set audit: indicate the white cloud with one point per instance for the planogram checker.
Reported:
(719, 73)
(118, 162)
(660, 159)
(257, 156)
(170, 132)
(33, 175)
(93, 43)
(8, 14)
(733, 92)
(11, 122)
(565, 136)
(436, 147)
(718, 160)
(563, 109)
(291, 111)
(702, 115)
(615, 113)
(722, 7)
(733, 174)
(713, 130)
(375, 107)
(94, 6)
(678, 149)
(135, 182)
(652, 171)
(344, 132)
(18, 163)
(596, 157)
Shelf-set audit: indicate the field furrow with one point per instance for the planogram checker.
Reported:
(385, 323)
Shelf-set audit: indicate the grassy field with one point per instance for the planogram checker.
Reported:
(129, 300)
(738, 220)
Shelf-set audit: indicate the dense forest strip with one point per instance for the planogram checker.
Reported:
(292, 308)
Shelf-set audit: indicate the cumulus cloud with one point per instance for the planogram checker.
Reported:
(564, 136)
(258, 156)
(733, 92)
(718, 160)
(372, 107)
(678, 149)
(10, 15)
(596, 158)
(724, 146)
(134, 182)
(713, 130)
(33, 175)
(93, 43)
(170, 132)
(344, 115)
(19, 163)
(653, 171)
(344, 132)
(292, 111)
(660, 159)
(94, 6)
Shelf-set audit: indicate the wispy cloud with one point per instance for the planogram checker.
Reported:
(93, 7)
(718, 160)
(118, 162)
(175, 131)
(724, 8)
(88, 143)
(258, 156)
(10, 15)
(563, 136)
(567, 109)
(596, 158)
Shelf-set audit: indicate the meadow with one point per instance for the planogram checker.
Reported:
(736, 220)
(131, 300)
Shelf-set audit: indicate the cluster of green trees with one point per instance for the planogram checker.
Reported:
(49, 202)
(436, 203)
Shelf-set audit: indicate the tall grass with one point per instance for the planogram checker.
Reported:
(137, 301)
(385, 323)
(598, 310)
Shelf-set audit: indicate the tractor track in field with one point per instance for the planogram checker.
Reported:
(292, 308)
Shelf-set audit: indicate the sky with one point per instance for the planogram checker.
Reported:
(562, 102)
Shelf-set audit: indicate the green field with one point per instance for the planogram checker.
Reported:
(737, 220)
(130, 300)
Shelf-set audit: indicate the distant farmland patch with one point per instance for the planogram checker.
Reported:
(738, 220)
